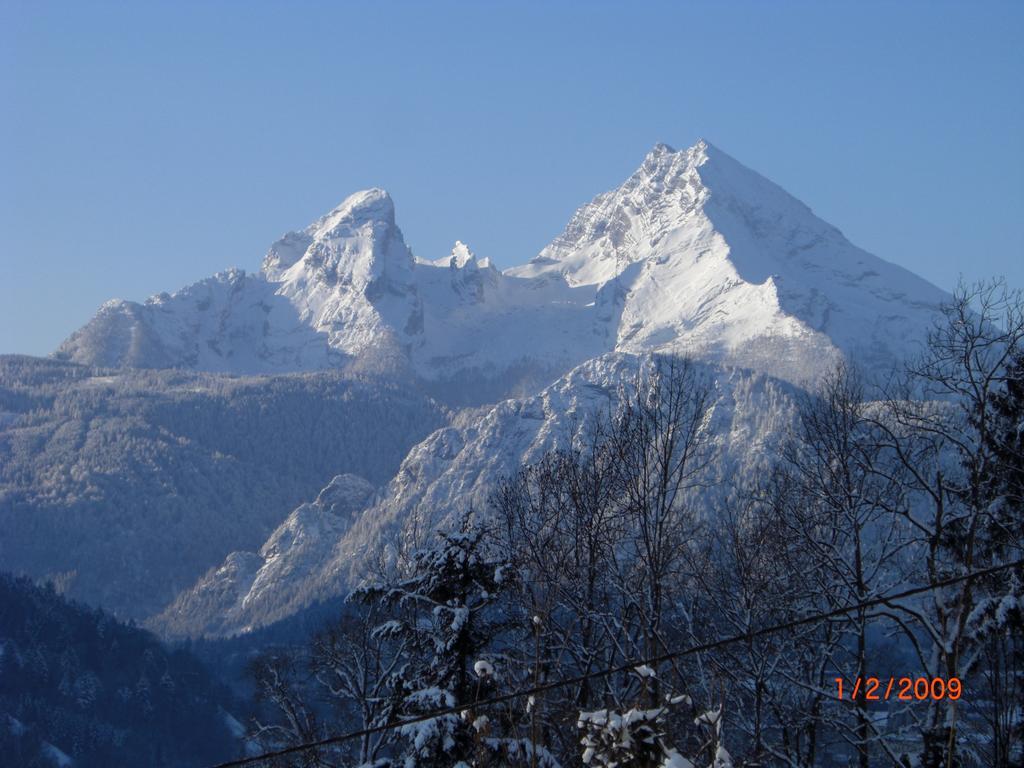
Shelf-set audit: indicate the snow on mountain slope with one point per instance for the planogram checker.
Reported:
(694, 253)
(455, 468)
(340, 289)
(250, 582)
(697, 253)
(231, 322)
(354, 283)
(347, 292)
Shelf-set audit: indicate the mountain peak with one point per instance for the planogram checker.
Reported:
(695, 250)
(662, 151)
(356, 244)
(661, 148)
(693, 192)
(602, 238)
(664, 159)
(665, 170)
(368, 205)
(461, 255)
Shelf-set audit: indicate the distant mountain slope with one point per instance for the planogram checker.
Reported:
(453, 469)
(255, 583)
(78, 686)
(129, 485)
(693, 253)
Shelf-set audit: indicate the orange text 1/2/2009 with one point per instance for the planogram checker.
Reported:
(899, 688)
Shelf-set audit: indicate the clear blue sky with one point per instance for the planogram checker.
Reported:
(147, 145)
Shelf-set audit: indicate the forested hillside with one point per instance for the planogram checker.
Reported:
(78, 687)
(125, 486)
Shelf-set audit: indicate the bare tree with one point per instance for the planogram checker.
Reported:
(293, 721)
(603, 535)
(354, 666)
(839, 513)
(936, 426)
(663, 447)
(560, 522)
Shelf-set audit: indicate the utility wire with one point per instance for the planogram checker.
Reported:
(652, 660)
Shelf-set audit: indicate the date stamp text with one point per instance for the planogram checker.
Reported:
(899, 688)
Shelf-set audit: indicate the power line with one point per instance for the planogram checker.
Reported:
(653, 660)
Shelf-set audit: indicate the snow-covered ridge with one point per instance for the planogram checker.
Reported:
(454, 469)
(694, 253)
(252, 584)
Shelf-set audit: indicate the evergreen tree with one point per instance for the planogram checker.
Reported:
(101, 692)
(445, 611)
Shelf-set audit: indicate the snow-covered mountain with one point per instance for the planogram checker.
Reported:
(694, 253)
(697, 253)
(455, 469)
(346, 292)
